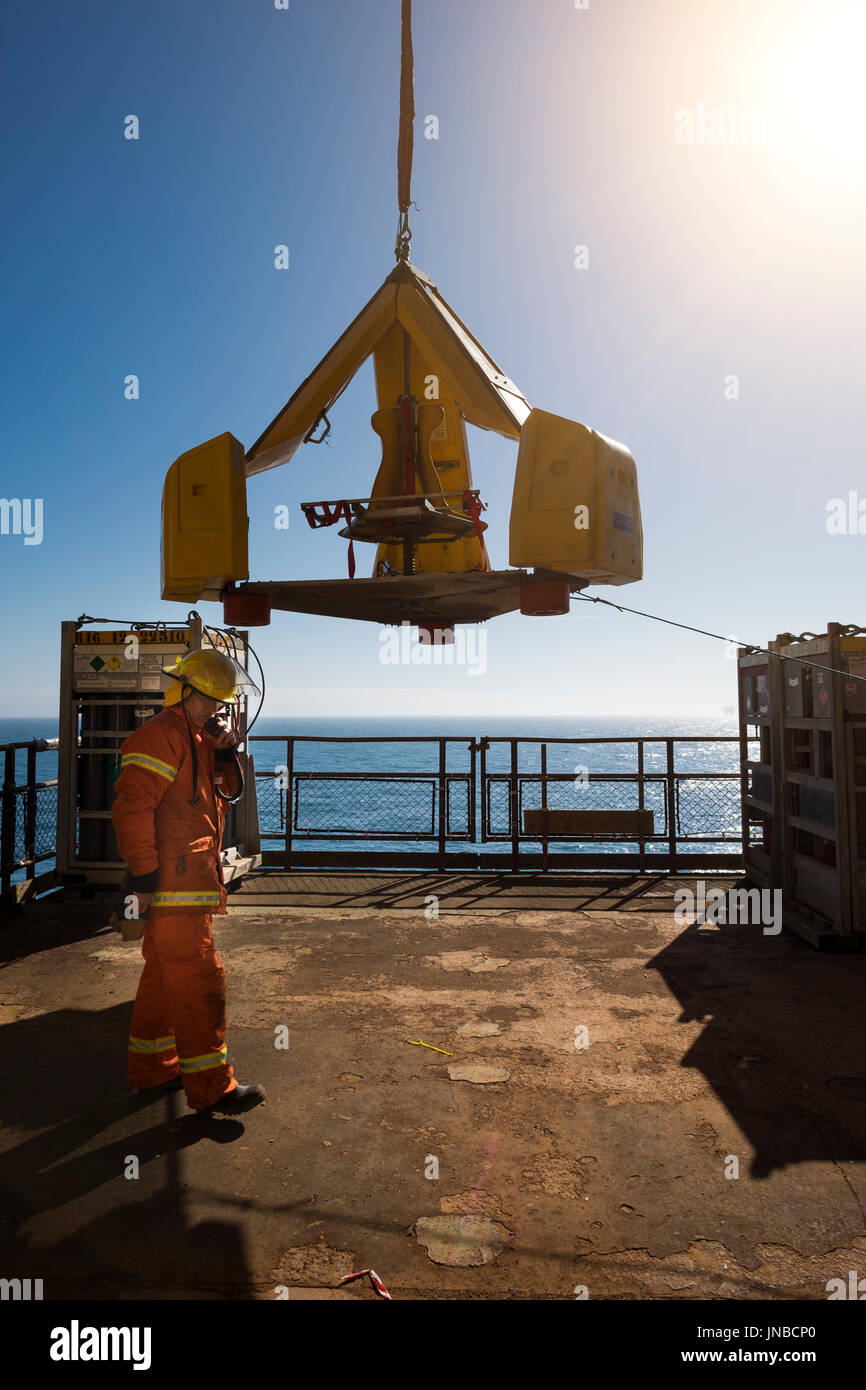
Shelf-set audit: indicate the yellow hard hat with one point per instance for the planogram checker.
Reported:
(214, 674)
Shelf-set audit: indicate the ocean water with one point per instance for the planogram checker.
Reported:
(386, 787)
(497, 726)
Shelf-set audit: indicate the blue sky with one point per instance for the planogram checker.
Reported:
(557, 128)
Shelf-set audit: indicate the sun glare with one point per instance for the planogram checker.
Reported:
(813, 77)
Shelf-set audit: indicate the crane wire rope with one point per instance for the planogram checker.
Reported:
(750, 648)
(406, 137)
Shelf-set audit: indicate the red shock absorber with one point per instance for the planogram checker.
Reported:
(408, 453)
(407, 443)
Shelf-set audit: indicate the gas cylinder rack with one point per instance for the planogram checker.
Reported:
(111, 682)
(804, 796)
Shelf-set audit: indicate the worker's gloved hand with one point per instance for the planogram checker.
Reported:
(219, 731)
(143, 904)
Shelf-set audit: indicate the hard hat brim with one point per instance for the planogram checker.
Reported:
(243, 684)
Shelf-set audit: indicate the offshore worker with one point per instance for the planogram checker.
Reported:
(179, 771)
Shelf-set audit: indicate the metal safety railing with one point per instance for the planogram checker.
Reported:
(28, 814)
(439, 802)
(464, 794)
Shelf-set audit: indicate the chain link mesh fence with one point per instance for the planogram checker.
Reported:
(708, 807)
(44, 823)
(594, 793)
(363, 806)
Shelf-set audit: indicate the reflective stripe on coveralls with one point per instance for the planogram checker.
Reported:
(210, 1059)
(150, 765)
(185, 900)
(157, 1045)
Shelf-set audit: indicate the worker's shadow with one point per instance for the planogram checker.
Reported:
(784, 1046)
(62, 1076)
(41, 926)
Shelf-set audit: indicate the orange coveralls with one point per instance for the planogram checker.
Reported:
(172, 849)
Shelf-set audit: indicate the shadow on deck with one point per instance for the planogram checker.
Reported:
(637, 1065)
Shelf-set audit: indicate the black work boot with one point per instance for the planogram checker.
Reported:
(236, 1102)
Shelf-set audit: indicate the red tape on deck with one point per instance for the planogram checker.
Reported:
(374, 1280)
